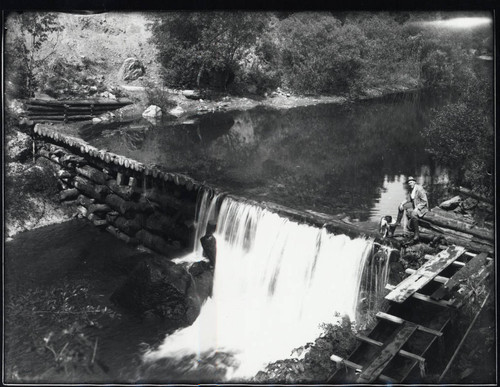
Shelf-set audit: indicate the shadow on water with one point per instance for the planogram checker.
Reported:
(329, 158)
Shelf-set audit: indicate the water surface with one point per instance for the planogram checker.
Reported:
(331, 158)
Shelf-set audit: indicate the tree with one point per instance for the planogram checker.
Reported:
(36, 29)
(204, 47)
(461, 136)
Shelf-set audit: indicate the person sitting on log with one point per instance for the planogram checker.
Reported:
(415, 207)
(209, 243)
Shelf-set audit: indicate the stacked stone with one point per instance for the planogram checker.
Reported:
(137, 204)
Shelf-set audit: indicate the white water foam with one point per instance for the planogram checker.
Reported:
(275, 282)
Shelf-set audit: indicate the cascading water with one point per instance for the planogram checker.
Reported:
(275, 282)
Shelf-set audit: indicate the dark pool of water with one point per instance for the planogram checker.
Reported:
(330, 158)
(65, 256)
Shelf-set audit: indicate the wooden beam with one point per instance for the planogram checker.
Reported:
(401, 352)
(472, 267)
(357, 367)
(437, 278)
(399, 320)
(424, 274)
(454, 263)
(424, 297)
(375, 368)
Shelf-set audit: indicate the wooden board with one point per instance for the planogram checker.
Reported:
(372, 371)
(473, 266)
(425, 274)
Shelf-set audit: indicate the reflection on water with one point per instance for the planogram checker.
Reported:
(328, 158)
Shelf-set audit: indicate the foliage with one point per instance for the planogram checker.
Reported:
(64, 78)
(461, 136)
(29, 188)
(203, 47)
(55, 320)
(159, 96)
(36, 29)
(313, 52)
(316, 365)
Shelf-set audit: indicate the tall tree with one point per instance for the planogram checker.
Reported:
(192, 45)
(36, 29)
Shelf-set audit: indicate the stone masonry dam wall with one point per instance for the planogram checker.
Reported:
(142, 204)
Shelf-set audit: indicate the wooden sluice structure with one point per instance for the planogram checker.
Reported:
(71, 110)
(416, 329)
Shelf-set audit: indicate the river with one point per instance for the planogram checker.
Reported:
(333, 158)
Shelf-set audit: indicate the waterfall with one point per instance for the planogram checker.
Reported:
(275, 282)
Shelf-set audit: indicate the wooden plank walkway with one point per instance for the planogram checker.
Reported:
(425, 274)
(372, 361)
(473, 266)
(375, 368)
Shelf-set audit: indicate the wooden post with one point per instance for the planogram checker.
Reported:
(132, 181)
(120, 178)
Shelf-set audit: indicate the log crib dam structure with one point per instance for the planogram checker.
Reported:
(156, 209)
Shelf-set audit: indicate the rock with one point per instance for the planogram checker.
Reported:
(451, 204)
(131, 69)
(177, 111)
(160, 287)
(191, 94)
(19, 147)
(107, 94)
(152, 111)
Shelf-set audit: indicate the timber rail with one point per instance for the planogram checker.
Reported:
(416, 331)
(71, 109)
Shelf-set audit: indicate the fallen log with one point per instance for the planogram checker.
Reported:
(158, 244)
(90, 189)
(92, 174)
(468, 192)
(459, 226)
(124, 207)
(69, 194)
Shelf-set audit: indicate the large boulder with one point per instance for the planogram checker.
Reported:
(451, 204)
(132, 68)
(170, 291)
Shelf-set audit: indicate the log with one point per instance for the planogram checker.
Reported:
(81, 102)
(128, 226)
(120, 235)
(70, 159)
(93, 174)
(69, 194)
(124, 191)
(169, 203)
(124, 207)
(459, 226)
(61, 117)
(452, 215)
(90, 189)
(468, 192)
(98, 208)
(158, 244)
(85, 201)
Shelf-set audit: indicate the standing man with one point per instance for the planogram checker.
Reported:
(416, 207)
(209, 243)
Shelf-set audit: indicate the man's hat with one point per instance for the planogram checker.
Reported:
(411, 178)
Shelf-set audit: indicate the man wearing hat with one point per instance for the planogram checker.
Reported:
(416, 207)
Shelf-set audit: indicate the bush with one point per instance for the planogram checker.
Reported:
(159, 96)
(461, 136)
